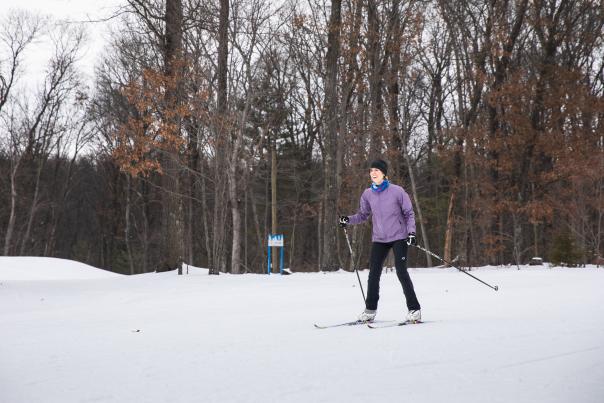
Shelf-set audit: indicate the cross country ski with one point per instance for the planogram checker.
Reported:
(392, 324)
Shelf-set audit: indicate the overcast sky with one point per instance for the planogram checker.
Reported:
(75, 11)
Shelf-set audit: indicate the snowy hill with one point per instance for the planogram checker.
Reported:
(47, 268)
(160, 337)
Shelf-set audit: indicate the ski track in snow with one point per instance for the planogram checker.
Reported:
(552, 357)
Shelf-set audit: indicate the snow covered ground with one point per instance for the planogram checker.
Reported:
(84, 335)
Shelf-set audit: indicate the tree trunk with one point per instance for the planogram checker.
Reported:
(32, 210)
(329, 256)
(145, 234)
(173, 231)
(375, 79)
(206, 221)
(13, 206)
(236, 216)
(222, 129)
(418, 207)
(235, 197)
(320, 236)
(449, 226)
(190, 222)
(127, 223)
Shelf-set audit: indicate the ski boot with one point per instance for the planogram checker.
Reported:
(367, 315)
(414, 316)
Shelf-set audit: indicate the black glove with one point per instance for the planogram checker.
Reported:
(343, 221)
(411, 240)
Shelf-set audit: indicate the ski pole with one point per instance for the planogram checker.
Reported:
(353, 265)
(452, 265)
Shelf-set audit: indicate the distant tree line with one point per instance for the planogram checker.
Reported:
(490, 114)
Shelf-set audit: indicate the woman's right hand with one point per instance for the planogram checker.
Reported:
(343, 221)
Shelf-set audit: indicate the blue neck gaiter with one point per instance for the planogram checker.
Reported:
(380, 188)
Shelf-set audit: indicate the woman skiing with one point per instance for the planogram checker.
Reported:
(393, 228)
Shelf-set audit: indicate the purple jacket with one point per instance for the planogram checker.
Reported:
(391, 211)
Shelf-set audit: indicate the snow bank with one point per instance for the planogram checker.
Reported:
(47, 268)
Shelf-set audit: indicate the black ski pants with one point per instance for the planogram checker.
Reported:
(379, 251)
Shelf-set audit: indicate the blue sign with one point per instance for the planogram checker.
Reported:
(276, 240)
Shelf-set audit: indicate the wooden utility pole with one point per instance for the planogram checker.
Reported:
(275, 251)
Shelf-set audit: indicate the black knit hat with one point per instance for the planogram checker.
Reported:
(381, 165)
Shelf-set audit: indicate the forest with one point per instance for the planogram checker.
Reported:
(211, 124)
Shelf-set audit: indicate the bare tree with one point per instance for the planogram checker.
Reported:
(221, 139)
(18, 30)
(35, 131)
